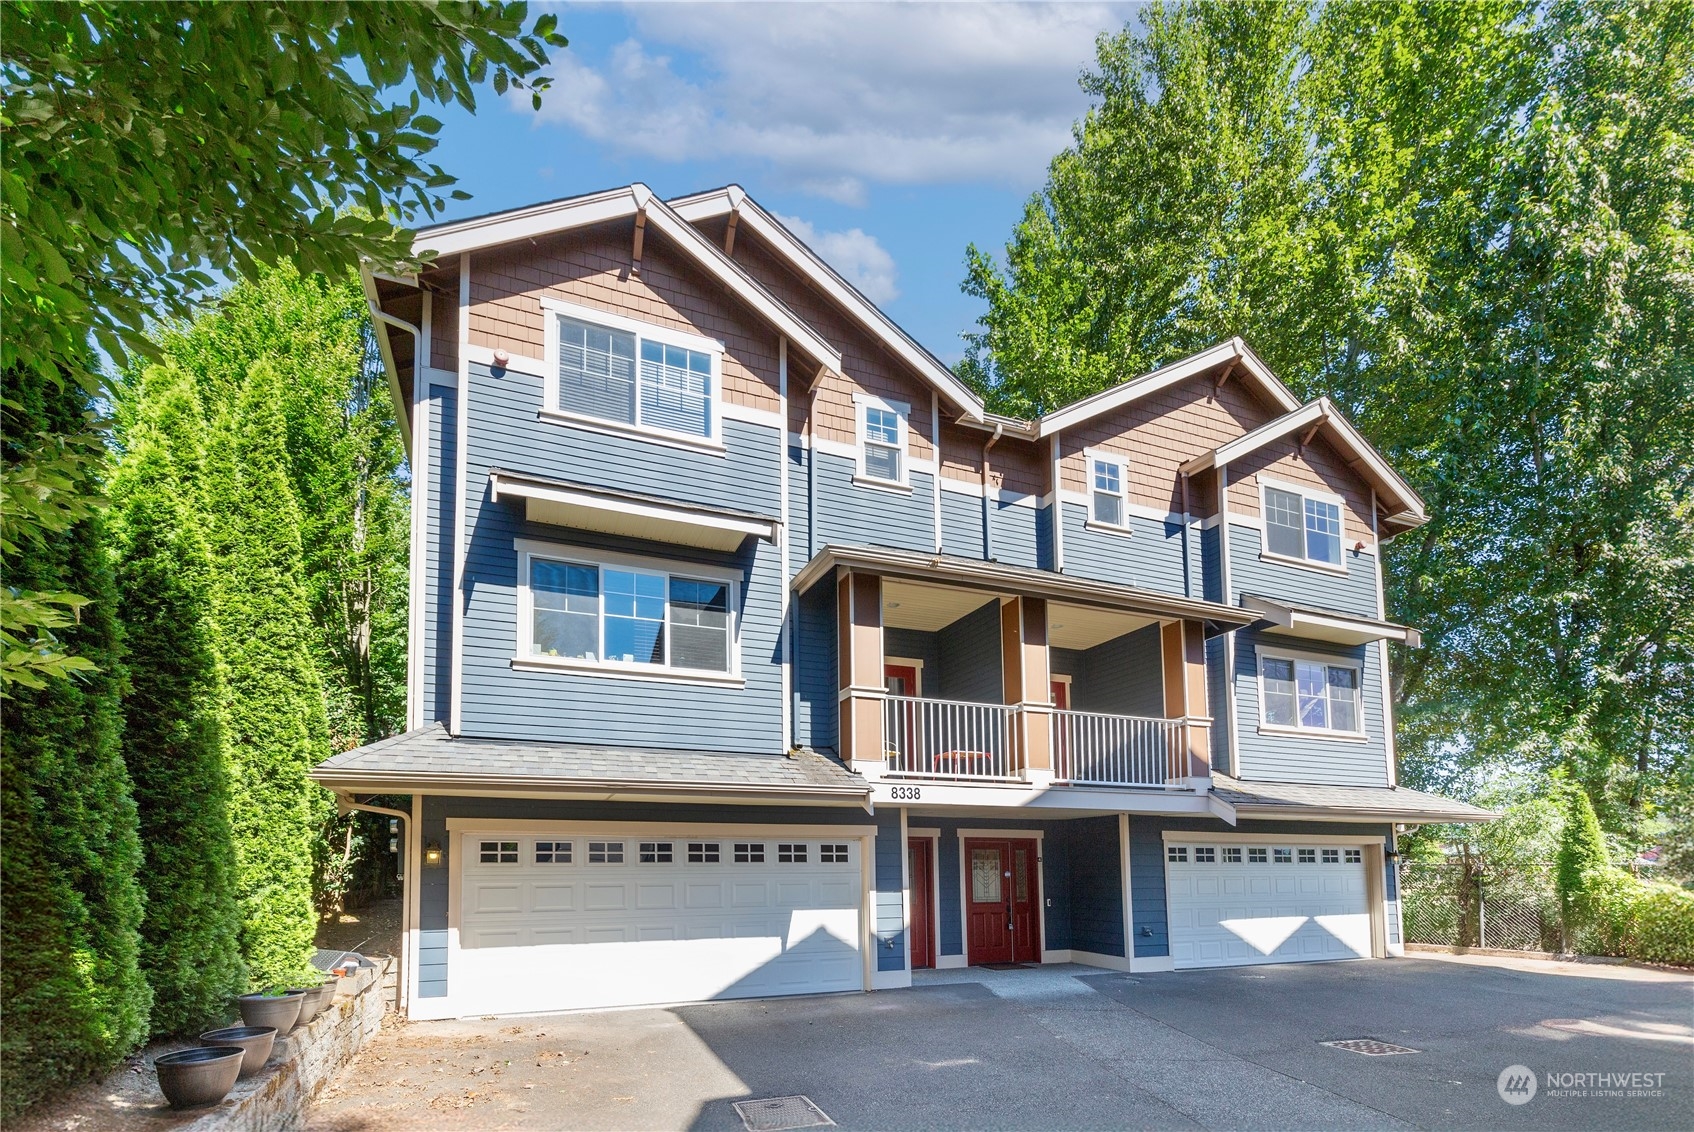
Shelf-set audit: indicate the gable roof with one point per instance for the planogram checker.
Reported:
(733, 200)
(1233, 353)
(1404, 505)
(497, 228)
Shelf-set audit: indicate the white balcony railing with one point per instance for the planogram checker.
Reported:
(1090, 749)
(924, 738)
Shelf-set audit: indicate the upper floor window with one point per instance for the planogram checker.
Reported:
(1310, 695)
(1303, 524)
(1108, 490)
(616, 371)
(626, 613)
(882, 439)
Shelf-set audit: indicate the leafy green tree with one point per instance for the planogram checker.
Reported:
(1466, 224)
(346, 467)
(1582, 855)
(73, 993)
(274, 710)
(115, 112)
(173, 729)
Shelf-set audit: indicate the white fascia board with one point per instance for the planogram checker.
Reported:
(1163, 378)
(525, 223)
(1336, 628)
(367, 279)
(733, 199)
(681, 524)
(1250, 442)
(725, 270)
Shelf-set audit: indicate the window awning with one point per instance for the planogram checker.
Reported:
(1327, 625)
(610, 511)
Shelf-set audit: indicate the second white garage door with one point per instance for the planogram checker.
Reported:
(578, 918)
(1271, 902)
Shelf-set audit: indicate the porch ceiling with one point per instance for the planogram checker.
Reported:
(1079, 627)
(913, 605)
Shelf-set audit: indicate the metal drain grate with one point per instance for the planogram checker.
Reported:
(1370, 1047)
(773, 1114)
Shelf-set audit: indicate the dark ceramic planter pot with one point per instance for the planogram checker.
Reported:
(190, 1078)
(317, 1001)
(255, 1042)
(278, 1011)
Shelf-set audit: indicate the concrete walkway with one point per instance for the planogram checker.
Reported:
(1066, 1047)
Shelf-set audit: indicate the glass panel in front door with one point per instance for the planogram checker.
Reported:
(985, 876)
(1020, 875)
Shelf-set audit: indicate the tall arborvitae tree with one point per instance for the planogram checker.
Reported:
(274, 710)
(173, 731)
(73, 996)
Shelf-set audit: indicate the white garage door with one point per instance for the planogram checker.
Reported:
(583, 918)
(1273, 902)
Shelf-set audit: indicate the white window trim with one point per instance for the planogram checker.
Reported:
(523, 659)
(905, 662)
(1268, 728)
(550, 410)
(1305, 493)
(902, 410)
(1095, 523)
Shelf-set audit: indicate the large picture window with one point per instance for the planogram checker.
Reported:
(1302, 525)
(620, 615)
(619, 372)
(1310, 695)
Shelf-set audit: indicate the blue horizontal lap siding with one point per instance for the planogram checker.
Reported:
(1149, 557)
(1018, 535)
(436, 656)
(1122, 676)
(1295, 758)
(890, 911)
(1095, 867)
(850, 514)
(816, 668)
(1147, 865)
(501, 702)
(961, 524)
(1250, 574)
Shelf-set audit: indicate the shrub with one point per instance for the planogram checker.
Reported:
(73, 996)
(1582, 861)
(1664, 925)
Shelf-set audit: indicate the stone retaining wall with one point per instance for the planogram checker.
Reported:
(275, 1099)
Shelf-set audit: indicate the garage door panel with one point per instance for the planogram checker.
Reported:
(1273, 902)
(579, 919)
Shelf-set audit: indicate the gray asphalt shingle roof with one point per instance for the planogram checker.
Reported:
(1390, 802)
(431, 754)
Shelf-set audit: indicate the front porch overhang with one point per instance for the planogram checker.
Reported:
(612, 511)
(1021, 581)
(1310, 801)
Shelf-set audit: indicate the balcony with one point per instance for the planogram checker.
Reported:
(961, 741)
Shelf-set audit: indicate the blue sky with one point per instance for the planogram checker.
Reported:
(889, 135)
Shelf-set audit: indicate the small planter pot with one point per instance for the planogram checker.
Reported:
(279, 1011)
(255, 1041)
(190, 1078)
(317, 1001)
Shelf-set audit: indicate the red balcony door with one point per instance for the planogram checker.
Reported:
(920, 866)
(1002, 901)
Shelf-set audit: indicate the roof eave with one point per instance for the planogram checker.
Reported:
(410, 782)
(1250, 812)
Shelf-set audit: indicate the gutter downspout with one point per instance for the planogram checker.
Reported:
(1058, 512)
(1227, 598)
(344, 803)
(987, 509)
(1187, 519)
(812, 469)
(787, 631)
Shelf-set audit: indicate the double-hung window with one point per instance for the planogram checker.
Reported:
(1108, 490)
(1303, 525)
(624, 614)
(617, 371)
(1310, 695)
(882, 440)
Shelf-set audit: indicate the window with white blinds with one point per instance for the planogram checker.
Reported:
(623, 375)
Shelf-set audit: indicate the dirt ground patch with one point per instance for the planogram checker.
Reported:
(371, 930)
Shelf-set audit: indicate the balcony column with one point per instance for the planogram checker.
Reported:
(1183, 648)
(858, 610)
(1027, 682)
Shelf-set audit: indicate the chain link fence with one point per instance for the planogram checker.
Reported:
(1456, 905)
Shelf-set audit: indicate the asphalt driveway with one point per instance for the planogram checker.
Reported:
(1071, 1047)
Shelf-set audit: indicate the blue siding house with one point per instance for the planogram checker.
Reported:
(751, 655)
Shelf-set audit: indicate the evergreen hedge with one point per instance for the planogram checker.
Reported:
(173, 730)
(73, 995)
(274, 710)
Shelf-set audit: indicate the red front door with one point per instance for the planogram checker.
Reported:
(1002, 902)
(920, 865)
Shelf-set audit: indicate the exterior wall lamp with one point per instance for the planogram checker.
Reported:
(434, 855)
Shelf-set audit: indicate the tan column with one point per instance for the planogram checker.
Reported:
(1183, 649)
(858, 611)
(1024, 670)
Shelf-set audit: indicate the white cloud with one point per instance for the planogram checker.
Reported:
(855, 254)
(836, 96)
